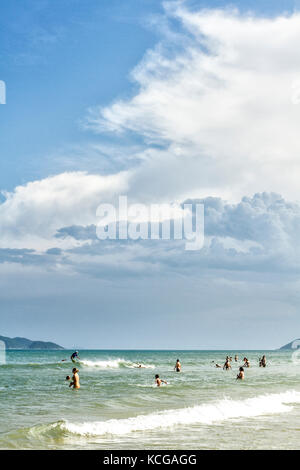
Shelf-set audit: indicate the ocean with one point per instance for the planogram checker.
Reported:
(119, 407)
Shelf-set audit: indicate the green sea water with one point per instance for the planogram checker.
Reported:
(119, 407)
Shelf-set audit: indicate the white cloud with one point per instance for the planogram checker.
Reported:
(31, 214)
(256, 236)
(221, 98)
(223, 108)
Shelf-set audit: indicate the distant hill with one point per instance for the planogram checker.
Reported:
(293, 345)
(24, 343)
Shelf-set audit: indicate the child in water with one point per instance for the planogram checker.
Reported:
(241, 374)
(159, 381)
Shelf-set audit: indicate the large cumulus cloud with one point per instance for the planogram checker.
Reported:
(223, 108)
(224, 113)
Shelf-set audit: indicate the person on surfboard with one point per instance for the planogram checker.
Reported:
(74, 356)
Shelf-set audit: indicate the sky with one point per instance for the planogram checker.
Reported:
(166, 103)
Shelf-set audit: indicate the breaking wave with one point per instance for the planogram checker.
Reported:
(115, 364)
(206, 414)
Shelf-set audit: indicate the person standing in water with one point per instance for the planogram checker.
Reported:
(159, 381)
(74, 356)
(263, 362)
(75, 379)
(227, 364)
(246, 362)
(177, 366)
(241, 374)
(236, 358)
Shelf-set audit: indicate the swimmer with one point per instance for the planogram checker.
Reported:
(75, 379)
(159, 381)
(74, 356)
(241, 374)
(263, 362)
(236, 358)
(227, 364)
(218, 366)
(246, 362)
(177, 366)
(68, 378)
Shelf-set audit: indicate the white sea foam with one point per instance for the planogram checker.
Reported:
(153, 385)
(115, 364)
(207, 414)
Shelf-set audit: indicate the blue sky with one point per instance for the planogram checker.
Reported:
(59, 58)
(164, 102)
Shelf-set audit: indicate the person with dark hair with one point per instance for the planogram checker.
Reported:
(241, 374)
(159, 381)
(227, 364)
(263, 361)
(246, 362)
(75, 379)
(74, 356)
(177, 366)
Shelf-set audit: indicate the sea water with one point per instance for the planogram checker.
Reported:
(119, 407)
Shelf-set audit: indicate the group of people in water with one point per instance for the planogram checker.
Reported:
(241, 375)
(74, 381)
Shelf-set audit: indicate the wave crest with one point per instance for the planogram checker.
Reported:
(115, 364)
(207, 414)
